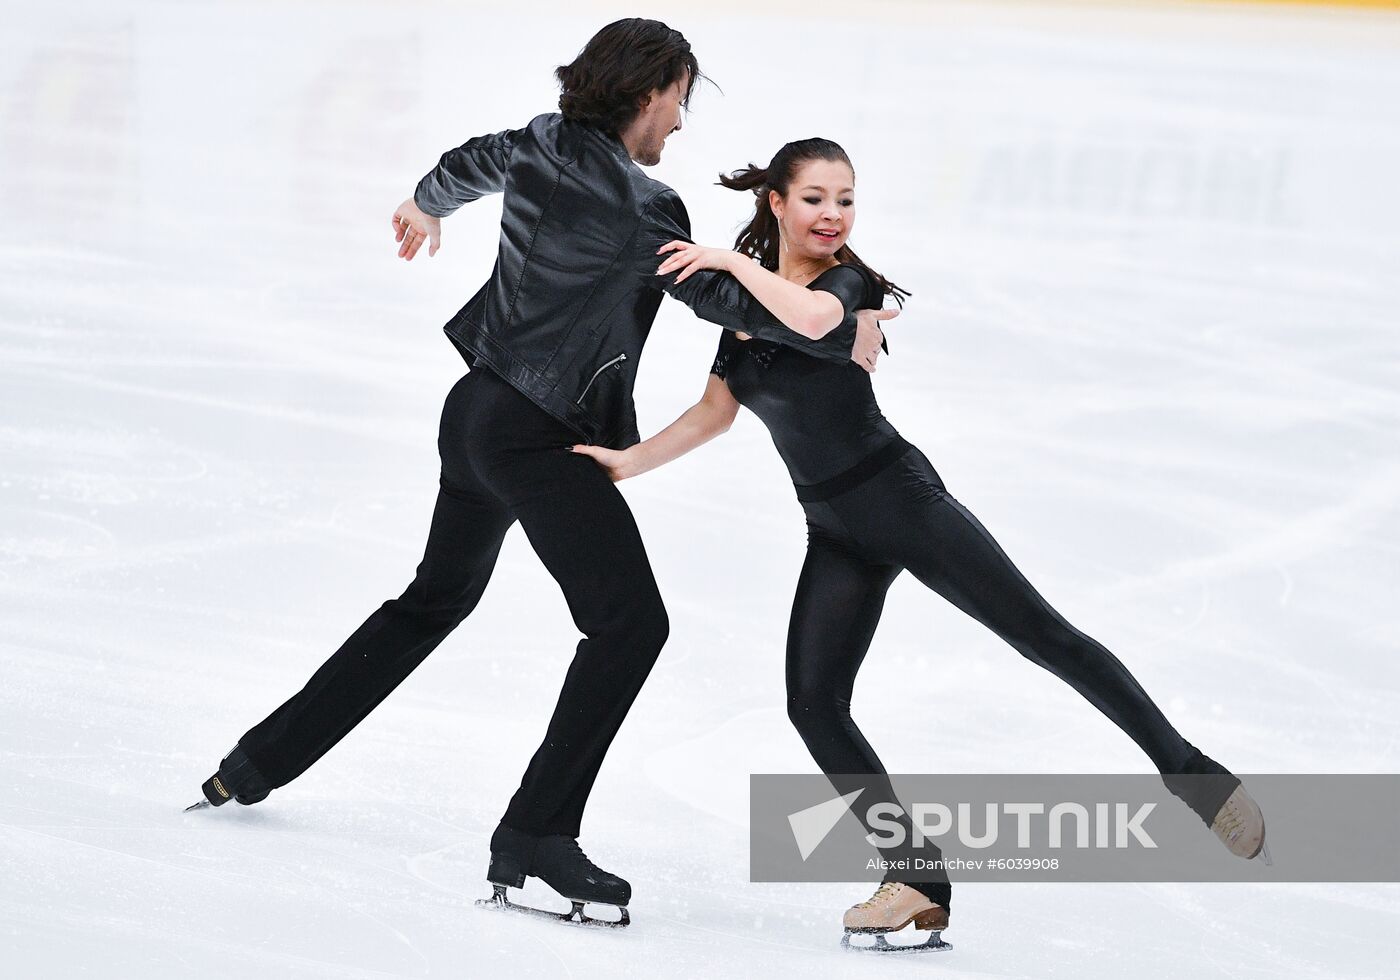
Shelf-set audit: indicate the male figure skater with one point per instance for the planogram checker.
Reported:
(553, 340)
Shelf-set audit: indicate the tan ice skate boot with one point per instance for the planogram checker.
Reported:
(893, 906)
(1221, 801)
(1240, 825)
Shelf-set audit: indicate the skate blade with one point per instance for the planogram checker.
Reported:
(575, 916)
(934, 944)
(201, 805)
(1264, 853)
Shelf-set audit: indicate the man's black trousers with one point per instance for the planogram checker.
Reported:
(503, 460)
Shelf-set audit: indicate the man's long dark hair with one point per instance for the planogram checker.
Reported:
(759, 238)
(618, 67)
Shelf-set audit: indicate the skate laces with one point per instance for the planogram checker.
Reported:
(1235, 825)
(1229, 822)
(573, 847)
(886, 891)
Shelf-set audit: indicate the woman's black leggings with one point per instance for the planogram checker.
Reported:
(859, 540)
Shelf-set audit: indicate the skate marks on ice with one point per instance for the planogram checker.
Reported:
(143, 898)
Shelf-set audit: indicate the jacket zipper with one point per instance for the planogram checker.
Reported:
(616, 360)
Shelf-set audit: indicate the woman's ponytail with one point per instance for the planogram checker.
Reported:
(759, 238)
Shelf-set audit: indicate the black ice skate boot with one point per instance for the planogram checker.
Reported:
(237, 779)
(560, 863)
(1220, 800)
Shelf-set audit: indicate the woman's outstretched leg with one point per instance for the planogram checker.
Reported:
(908, 517)
(949, 550)
(968, 567)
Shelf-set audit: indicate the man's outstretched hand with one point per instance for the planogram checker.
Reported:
(412, 227)
(869, 336)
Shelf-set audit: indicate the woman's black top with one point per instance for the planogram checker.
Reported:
(822, 415)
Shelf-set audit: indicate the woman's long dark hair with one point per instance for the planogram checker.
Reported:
(620, 65)
(759, 238)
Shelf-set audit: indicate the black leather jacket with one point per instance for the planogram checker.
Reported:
(574, 290)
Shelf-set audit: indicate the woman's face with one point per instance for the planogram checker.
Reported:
(820, 208)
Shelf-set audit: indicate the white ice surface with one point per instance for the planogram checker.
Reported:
(1153, 345)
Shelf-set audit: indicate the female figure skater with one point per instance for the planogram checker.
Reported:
(875, 506)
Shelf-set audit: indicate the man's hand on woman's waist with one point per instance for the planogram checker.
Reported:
(869, 336)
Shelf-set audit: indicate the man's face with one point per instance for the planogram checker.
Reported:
(659, 118)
